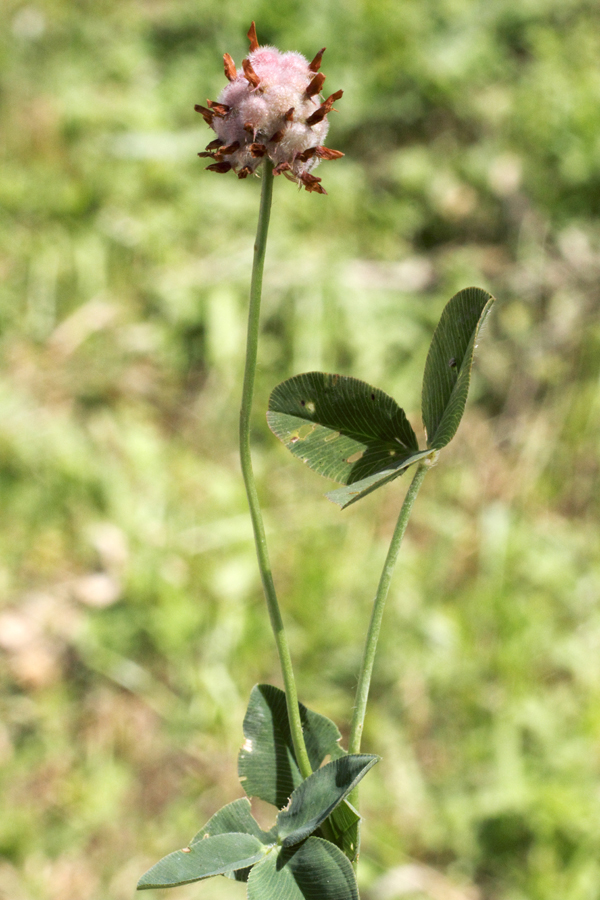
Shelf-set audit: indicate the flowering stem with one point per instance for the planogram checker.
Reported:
(366, 669)
(247, 471)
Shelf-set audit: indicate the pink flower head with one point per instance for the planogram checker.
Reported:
(272, 108)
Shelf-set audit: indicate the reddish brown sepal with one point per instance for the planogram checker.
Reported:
(276, 137)
(281, 168)
(307, 154)
(218, 109)
(327, 153)
(206, 114)
(229, 66)
(312, 183)
(214, 145)
(207, 155)
(257, 150)
(252, 38)
(229, 148)
(318, 116)
(243, 173)
(220, 167)
(315, 85)
(289, 116)
(325, 108)
(249, 127)
(315, 65)
(249, 73)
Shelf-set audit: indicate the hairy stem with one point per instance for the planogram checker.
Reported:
(262, 553)
(366, 669)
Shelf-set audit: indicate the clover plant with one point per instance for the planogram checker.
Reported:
(270, 118)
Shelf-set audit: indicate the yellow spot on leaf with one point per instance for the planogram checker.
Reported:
(356, 456)
(306, 430)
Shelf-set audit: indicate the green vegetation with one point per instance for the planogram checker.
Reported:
(132, 624)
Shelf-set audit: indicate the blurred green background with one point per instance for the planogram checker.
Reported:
(132, 625)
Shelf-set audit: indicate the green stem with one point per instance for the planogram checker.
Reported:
(366, 669)
(262, 553)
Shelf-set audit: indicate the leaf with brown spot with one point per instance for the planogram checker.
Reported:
(217, 855)
(349, 417)
(448, 367)
(267, 762)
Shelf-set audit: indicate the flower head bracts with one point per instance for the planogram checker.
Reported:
(272, 108)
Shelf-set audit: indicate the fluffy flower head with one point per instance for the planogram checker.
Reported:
(273, 109)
